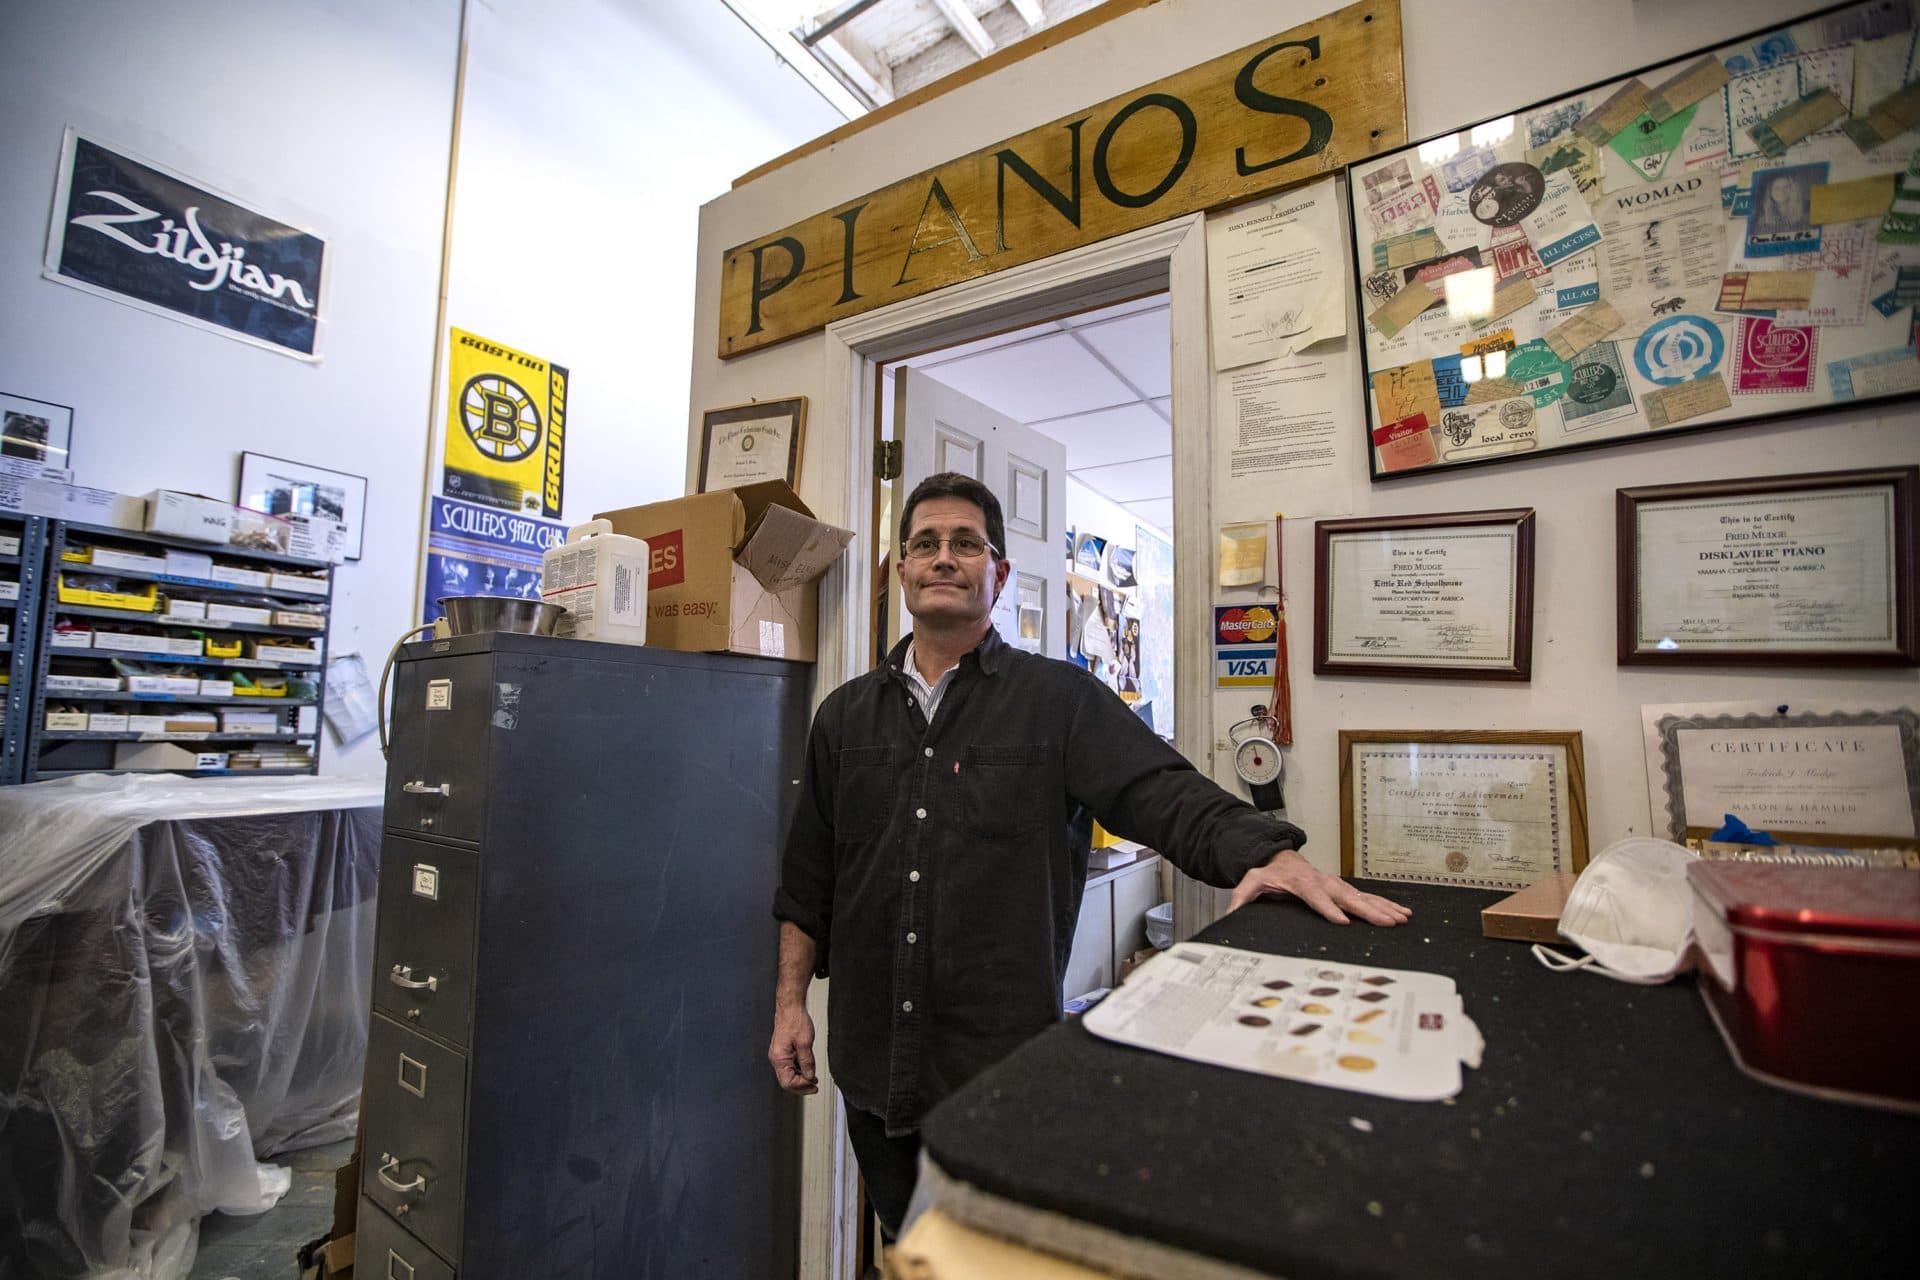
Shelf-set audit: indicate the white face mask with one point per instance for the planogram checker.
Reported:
(1632, 912)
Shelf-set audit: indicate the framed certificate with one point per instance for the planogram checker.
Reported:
(1483, 809)
(1813, 570)
(752, 442)
(1435, 595)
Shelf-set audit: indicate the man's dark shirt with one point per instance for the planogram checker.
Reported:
(939, 868)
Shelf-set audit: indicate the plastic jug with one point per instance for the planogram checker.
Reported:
(600, 578)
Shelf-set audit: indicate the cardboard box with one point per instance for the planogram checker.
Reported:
(165, 755)
(69, 636)
(187, 685)
(235, 575)
(113, 558)
(62, 501)
(187, 610)
(128, 642)
(174, 722)
(299, 618)
(215, 689)
(58, 682)
(66, 722)
(107, 722)
(9, 589)
(188, 515)
(1532, 914)
(9, 544)
(189, 564)
(288, 651)
(734, 571)
(305, 584)
(221, 612)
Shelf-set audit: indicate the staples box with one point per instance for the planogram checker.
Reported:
(734, 571)
(188, 515)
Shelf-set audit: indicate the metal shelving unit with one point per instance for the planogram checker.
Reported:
(25, 566)
(55, 753)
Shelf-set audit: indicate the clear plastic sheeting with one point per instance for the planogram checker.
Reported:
(185, 970)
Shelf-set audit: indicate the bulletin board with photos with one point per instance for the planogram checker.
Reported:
(1730, 236)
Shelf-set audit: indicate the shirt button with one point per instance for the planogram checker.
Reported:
(912, 938)
(906, 1006)
(919, 813)
(929, 752)
(913, 876)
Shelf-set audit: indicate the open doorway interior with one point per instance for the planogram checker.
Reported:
(1070, 422)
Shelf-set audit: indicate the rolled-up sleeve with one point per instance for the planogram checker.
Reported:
(1141, 789)
(805, 893)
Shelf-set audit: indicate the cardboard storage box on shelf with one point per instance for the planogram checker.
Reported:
(189, 564)
(305, 584)
(104, 558)
(64, 720)
(291, 651)
(70, 636)
(735, 571)
(187, 685)
(107, 722)
(187, 610)
(215, 689)
(239, 575)
(218, 611)
(173, 722)
(299, 618)
(165, 755)
(189, 515)
(9, 544)
(62, 501)
(60, 682)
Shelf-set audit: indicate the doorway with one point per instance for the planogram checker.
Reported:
(1070, 422)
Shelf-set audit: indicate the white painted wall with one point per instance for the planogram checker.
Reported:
(1452, 79)
(1090, 512)
(332, 116)
(592, 130)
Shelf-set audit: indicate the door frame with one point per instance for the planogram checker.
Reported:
(1169, 256)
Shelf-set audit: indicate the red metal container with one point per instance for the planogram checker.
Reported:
(1814, 975)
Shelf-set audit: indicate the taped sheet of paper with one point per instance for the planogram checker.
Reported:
(1243, 554)
(1277, 273)
(1687, 400)
(1395, 1033)
(1688, 86)
(1283, 438)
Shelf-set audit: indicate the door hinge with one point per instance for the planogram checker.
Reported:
(886, 460)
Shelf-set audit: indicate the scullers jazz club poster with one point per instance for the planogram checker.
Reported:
(152, 239)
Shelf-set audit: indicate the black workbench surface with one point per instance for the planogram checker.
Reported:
(1606, 1133)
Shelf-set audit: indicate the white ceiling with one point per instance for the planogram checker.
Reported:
(1100, 382)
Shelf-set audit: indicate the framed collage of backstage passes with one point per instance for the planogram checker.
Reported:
(1730, 236)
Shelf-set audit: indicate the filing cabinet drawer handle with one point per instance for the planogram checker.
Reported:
(427, 788)
(387, 1162)
(401, 975)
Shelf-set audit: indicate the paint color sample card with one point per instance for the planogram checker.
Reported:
(1392, 1032)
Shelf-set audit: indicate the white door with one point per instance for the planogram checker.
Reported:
(942, 430)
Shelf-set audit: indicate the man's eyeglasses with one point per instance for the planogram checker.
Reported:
(925, 546)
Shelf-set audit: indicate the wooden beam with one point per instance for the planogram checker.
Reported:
(965, 25)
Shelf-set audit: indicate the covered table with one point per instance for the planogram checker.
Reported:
(1607, 1132)
(184, 979)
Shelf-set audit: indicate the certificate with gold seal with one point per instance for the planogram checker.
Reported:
(1482, 809)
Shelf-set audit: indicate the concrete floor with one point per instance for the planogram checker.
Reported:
(263, 1247)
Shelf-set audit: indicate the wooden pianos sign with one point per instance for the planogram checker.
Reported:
(1277, 112)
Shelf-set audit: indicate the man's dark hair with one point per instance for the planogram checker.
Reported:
(951, 484)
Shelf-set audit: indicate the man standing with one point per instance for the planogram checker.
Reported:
(939, 851)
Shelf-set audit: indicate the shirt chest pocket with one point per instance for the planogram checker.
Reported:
(1002, 790)
(862, 793)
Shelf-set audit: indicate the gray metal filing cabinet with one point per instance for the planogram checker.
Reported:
(574, 964)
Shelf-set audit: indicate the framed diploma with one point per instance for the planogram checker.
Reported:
(1808, 773)
(1813, 570)
(1435, 595)
(1483, 809)
(752, 442)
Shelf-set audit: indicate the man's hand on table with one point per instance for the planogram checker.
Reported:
(1332, 897)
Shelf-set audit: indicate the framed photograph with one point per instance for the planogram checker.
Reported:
(1478, 808)
(1717, 240)
(36, 432)
(752, 442)
(1809, 571)
(1446, 596)
(279, 487)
